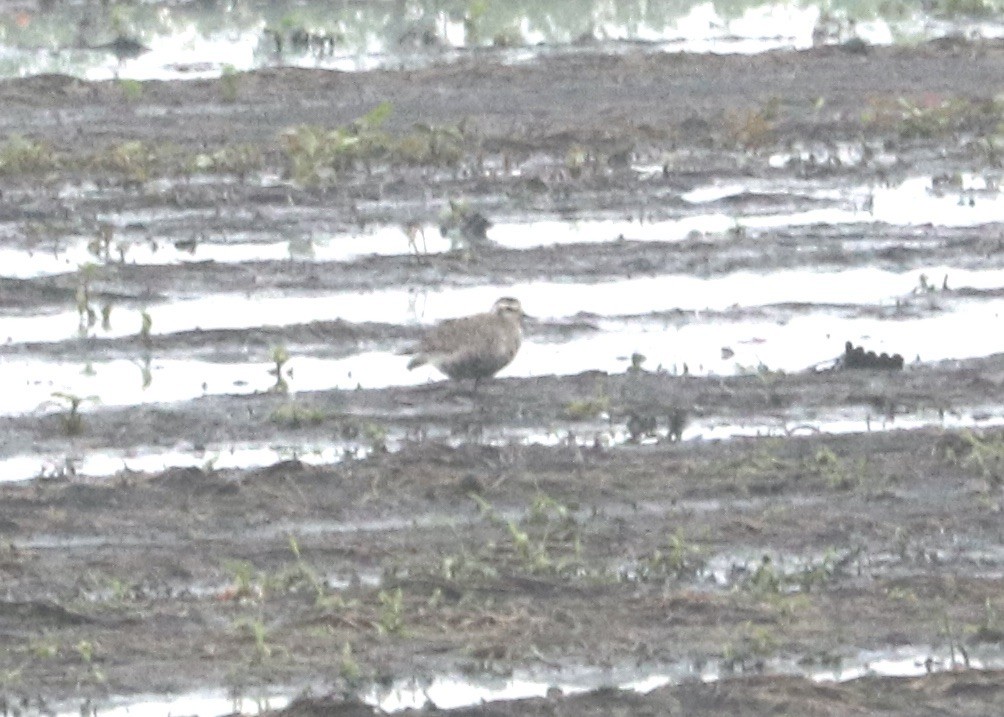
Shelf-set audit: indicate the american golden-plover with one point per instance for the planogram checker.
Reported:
(475, 347)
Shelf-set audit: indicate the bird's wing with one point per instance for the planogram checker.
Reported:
(450, 335)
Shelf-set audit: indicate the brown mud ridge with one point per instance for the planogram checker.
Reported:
(478, 557)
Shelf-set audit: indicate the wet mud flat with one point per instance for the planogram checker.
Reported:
(770, 554)
(549, 528)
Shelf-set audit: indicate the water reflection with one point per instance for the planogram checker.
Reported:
(187, 40)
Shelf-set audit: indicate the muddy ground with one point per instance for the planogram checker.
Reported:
(453, 554)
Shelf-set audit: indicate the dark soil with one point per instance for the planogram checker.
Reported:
(460, 554)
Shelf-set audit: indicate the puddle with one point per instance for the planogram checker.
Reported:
(110, 462)
(455, 691)
(190, 40)
(990, 417)
(726, 570)
(381, 241)
(543, 299)
(207, 703)
(796, 340)
(911, 203)
(103, 463)
(452, 691)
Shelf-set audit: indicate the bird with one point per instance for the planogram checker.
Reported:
(475, 347)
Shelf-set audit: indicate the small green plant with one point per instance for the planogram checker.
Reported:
(984, 453)
(831, 468)
(575, 160)
(133, 158)
(303, 572)
(246, 584)
(146, 324)
(476, 11)
(44, 648)
(85, 649)
(677, 558)
(967, 8)
(73, 421)
(121, 590)
(106, 316)
(751, 129)
(280, 357)
(20, 155)
(87, 316)
(429, 144)
(145, 365)
(229, 84)
(414, 230)
(132, 90)
(238, 159)
(509, 37)
(315, 154)
(754, 644)
(930, 115)
(586, 409)
(375, 436)
(257, 631)
(296, 415)
(348, 666)
(391, 620)
(760, 464)
(765, 579)
(991, 629)
(987, 455)
(676, 420)
(546, 541)
(819, 574)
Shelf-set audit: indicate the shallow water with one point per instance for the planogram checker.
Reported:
(453, 690)
(542, 299)
(190, 40)
(794, 341)
(911, 202)
(96, 463)
(207, 703)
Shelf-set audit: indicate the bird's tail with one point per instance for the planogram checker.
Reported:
(417, 361)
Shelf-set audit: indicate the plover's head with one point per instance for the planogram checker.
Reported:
(509, 308)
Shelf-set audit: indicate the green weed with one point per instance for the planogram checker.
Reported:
(132, 90)
(752, 128)
(239, 159)
(984, 453)
(73, 420)
(676, 558)
(280, 357)
(296, 415)
(229, 84)
(586, 409)
(391, 619)
(133, 158)
(20, 155)
(315, 155)
(257, 631)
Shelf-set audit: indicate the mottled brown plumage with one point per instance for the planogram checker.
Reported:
(475, 347)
